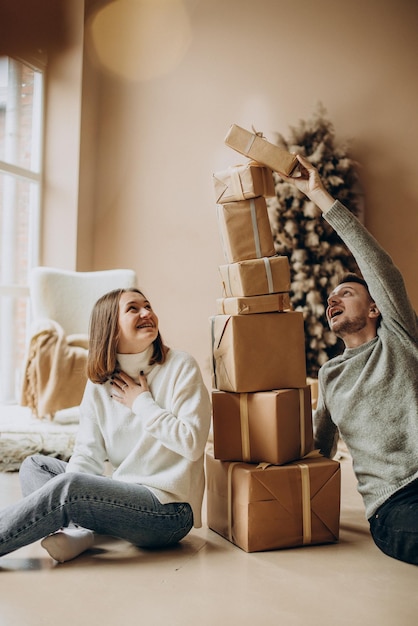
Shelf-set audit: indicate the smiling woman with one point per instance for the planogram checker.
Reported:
(138, 324)
(145, 410)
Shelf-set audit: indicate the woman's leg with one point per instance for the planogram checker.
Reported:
(103, 505)
(36, 470)
(394, 526)
(62, 545)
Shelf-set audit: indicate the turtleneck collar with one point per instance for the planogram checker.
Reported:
(133, 364)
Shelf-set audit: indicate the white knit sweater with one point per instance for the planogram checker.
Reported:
(160, 443)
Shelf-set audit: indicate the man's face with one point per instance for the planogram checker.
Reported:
(349, 309)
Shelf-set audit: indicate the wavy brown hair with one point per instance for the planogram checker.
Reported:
(104, 336)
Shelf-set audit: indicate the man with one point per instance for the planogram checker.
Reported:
(369, 394)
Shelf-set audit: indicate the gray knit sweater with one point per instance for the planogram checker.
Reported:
(369, 394)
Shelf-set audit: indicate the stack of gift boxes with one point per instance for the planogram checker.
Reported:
(266, 487)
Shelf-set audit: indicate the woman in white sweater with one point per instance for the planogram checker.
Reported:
(146, 410)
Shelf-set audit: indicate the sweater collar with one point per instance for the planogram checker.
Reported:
(133, 364)
(358, 349)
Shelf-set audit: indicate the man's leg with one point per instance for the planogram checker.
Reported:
(394, 526)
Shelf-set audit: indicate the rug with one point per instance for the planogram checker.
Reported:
(21, 435)
(14, 448)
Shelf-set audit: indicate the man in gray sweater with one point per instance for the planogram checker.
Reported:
(369, 394)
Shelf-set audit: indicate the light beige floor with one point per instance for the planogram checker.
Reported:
(208, 581)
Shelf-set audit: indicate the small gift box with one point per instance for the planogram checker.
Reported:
(265, 426)
(242, 182)
(268, 507)
(255, 277)
(255, 146)
(245, 230)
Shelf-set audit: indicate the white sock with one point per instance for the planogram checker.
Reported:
(66, 544)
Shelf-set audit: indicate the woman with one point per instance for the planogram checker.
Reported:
(145, 410)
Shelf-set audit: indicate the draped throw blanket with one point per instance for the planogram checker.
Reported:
(55, 369)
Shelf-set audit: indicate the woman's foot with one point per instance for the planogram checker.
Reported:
(66, 544)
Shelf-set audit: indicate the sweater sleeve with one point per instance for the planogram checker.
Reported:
(89, 451)
(183, 426)
(385, 282)
(326, 433)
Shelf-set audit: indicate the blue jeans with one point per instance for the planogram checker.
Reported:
(52, 499)
(394, 526)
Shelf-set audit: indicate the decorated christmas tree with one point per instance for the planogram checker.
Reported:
(317, 256)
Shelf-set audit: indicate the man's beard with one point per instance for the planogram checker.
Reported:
(350, 326)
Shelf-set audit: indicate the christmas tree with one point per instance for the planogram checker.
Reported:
(317, 255)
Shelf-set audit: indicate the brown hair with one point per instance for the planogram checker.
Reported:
(350, 277)
(104, 335)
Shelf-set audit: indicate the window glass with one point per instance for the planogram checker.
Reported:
(21, 112)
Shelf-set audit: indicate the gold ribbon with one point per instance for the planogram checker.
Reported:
(269, 276)
(230, 468)
(302, 422)
(256, 234)
(306, 503)
(245, 426)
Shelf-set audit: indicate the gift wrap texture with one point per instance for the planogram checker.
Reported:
(270, 426)
(253, 304)
(245, 230)
(258, 352)
(268, 507)
(256, 277)
(253, 145)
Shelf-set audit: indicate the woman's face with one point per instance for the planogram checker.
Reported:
(138, 324)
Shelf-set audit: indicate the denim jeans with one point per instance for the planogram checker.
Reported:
(394, 526)
(53, 499)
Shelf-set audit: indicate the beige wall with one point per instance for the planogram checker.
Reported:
(130, 162)
(267, 64)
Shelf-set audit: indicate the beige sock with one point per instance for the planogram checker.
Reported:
(66, 544)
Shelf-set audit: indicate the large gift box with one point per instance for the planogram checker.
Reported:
(258, 352)
(255, 277)
(272, 426)
(247, 305)
(255, 146)
(241, 182)
(245, 230)
(267, 508)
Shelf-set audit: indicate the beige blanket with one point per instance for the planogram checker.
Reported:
(55, 370)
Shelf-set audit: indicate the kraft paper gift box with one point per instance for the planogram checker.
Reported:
(258, 352)
(241, 182)
(266, 426)
(247, 305)
(313, 383)
(255, 277)
(268, 508)
(245, 230)
(255, 146)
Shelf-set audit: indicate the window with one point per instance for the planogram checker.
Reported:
(21, 115)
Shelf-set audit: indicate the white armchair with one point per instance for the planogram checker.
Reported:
(61, 302)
